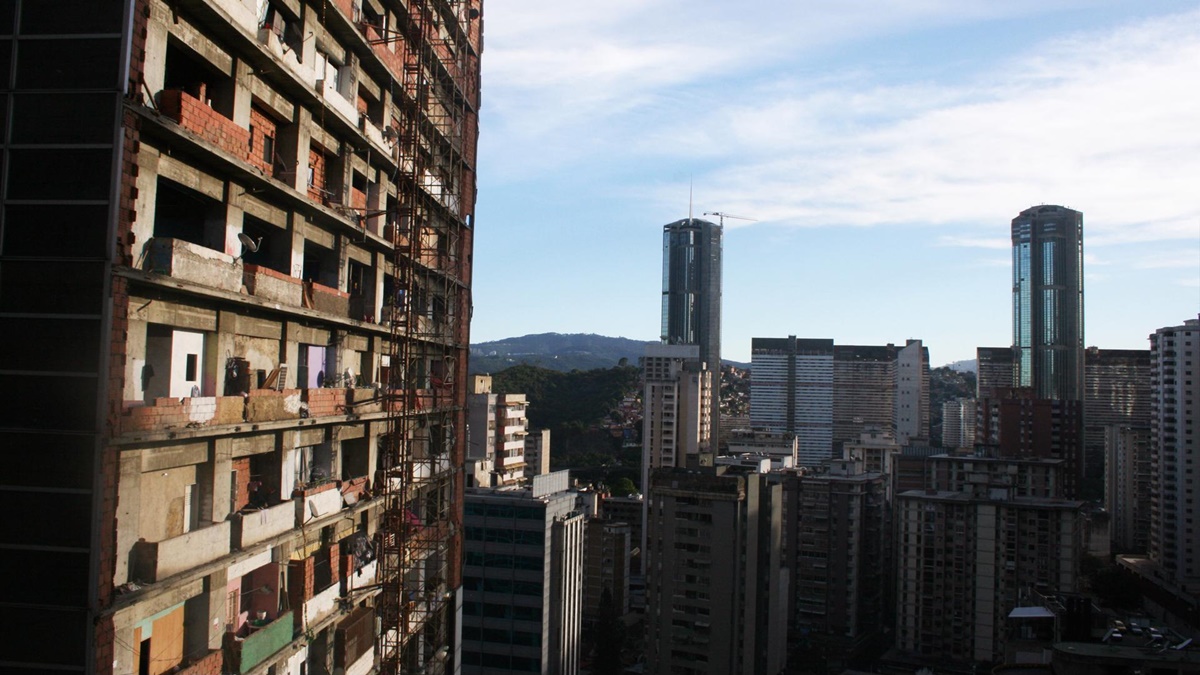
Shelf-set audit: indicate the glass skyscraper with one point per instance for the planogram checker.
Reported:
(1048, 302)
(691, 293)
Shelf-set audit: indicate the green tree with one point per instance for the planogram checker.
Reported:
(622, 487)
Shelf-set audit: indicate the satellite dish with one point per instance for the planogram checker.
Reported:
(248, 243)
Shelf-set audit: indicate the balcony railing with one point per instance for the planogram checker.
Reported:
(268, 284)
(251, 527)
(243, 653)
(174, 413)
(195, 263)
(153, 561)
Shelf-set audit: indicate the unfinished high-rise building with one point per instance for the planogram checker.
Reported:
(235, 295)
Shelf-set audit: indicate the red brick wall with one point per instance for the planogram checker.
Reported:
(242, 496)
(335, 562)
(195, 116)
(301, 584)
(263, 126)
(316, 161)
(212, 664)
(108, 466)
(325, 401)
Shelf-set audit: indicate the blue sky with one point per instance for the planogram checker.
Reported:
(882, 150)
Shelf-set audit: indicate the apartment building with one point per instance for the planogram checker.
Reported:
(1175, 454)
(715, 586)
(836, 537)
(1014, 424)
(537, 452)
(497, 434)
(958, 423)
(245, 261)
(963, 563)
(1116, 392)
(676, 421)
(608, 545)
(1128, 482)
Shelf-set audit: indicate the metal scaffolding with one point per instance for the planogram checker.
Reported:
(420, 528)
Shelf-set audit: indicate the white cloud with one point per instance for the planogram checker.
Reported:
(1098, 122)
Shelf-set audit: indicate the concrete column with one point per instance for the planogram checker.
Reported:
(156, 50)
(242, 72)
(292, 142)
(222, 480)
(225, 347)
(377, 270)
(297, 233)
(144, 206)
(129, 485)
(341, 247)
(234, 216)
(135, 372)
(215, 589)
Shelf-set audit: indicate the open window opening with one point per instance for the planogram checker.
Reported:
(274, 245)
(320, 265)
(183, 213)
(355, 457)
(196, 77)
(265, 488)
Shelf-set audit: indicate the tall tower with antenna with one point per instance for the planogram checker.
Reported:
(691, 294)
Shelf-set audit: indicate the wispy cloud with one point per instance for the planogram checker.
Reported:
(998, 243)
(1187, 259)
(1096, 121)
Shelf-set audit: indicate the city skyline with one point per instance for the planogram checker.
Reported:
(882, 155)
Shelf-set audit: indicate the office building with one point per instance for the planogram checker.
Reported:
(791, 390)
(995, 367)
(715, 589)
(523, 579)
(836, 549)
(1175, 453)
(1116, 393)
(1048, 302)
(827, 394)
(236, 260)
(691, 295)
(958, 423)
(497, 435)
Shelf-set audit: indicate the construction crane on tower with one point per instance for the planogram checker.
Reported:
(722, 216)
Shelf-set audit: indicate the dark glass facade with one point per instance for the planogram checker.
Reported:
(691, 292)
(1048, 302)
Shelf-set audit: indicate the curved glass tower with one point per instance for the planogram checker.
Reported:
(691, 293)
(1048, 302)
